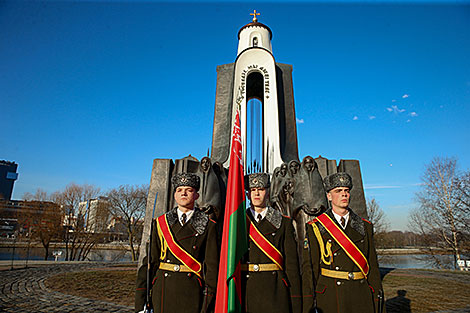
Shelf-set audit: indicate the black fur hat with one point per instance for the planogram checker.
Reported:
(186, 179)
(341, 179)
(257, 180)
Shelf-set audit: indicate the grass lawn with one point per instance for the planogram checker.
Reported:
(111, 285)
(426, 290)
(406, 290)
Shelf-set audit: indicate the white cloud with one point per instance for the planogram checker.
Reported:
(394, 100)
(300, 121)
(381, 187)
(395, 109)
(408, 121)
(355, 118)
(371, 117)
(413, 114)
(405, 96)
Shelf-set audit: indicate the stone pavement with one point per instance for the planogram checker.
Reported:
(23, 290)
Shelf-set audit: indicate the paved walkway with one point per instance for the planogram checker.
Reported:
(23, 290)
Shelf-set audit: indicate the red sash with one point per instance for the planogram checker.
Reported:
(348, 246)
(181, 254)
(267, 247)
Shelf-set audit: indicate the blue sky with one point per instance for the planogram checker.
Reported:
(92, 92)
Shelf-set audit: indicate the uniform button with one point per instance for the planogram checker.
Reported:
(247, 276)
(194, 247)
(166, 275)
(329, 240)
(189, 274)
(167, 261)
(338, 283)
(196, 234)
(335, 254)
(273, 234)
(337, 268)
(274, 272)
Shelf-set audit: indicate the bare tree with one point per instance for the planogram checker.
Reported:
(39, 195)
(443, 213)
(42, 221)
(76, 238)
(378, 218)
(127, 203)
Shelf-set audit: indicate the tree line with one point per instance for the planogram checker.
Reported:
(57, 217)
(438, 224)
(440, 221)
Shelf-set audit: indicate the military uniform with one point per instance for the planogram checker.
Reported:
(275, 290)
(335, 294)
(174, 291)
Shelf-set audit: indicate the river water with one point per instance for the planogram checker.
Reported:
(38, 254)
(411, 261)
(394, 261)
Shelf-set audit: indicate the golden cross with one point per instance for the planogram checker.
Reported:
(254, 16)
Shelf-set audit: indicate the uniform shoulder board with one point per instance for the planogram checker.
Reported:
(366, 221)
(313, 221)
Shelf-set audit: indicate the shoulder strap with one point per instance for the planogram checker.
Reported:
(348, 246)
(169, 242)
(327, 256)
(267, 247)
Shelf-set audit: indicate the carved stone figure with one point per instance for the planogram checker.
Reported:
(210, 200)
(297, 191)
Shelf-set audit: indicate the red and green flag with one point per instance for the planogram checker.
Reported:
(234, 235)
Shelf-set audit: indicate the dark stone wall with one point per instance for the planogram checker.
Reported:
(159, 183)
(287, 120)
(358, 200)
(223, 113)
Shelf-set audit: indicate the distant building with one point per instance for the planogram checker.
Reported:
(17, 217)
(95, 214)
(8, 175)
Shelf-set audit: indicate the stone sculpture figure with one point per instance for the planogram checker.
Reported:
(210, 200)
(297, 191)
(277, 198)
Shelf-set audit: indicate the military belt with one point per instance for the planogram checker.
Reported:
(342, 275)
(265, 267)
(174, 267)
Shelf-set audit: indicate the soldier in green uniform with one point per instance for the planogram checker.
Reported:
(340, 269)
(270, 269)
(184, 255)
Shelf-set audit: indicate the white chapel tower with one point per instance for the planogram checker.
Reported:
(268, 137)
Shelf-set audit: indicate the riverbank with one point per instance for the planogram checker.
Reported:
(406, 251)
(8, 244)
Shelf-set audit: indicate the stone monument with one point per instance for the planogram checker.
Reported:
(264, 90)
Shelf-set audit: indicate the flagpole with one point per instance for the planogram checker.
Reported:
(234, 234)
